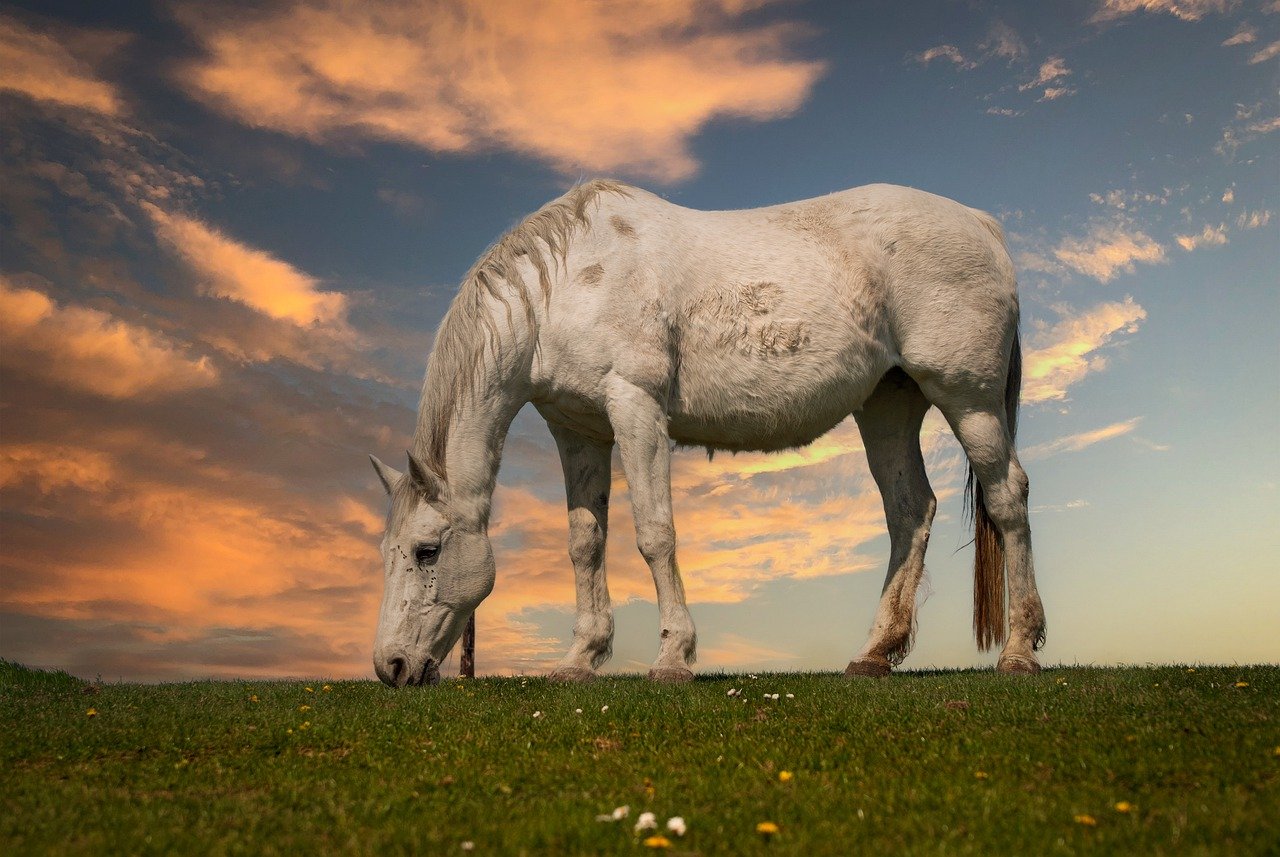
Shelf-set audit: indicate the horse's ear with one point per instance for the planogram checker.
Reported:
(429, 483)
(387, 474)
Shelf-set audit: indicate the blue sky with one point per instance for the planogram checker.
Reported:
(226, 238)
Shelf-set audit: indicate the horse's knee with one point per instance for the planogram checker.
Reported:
(656, 541)
(586, 540)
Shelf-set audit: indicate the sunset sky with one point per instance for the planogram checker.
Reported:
(227, 236)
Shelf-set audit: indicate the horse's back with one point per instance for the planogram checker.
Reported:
(768, 326)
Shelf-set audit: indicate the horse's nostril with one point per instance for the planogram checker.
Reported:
(398, 667)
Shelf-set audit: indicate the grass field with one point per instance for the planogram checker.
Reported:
(1132, 760)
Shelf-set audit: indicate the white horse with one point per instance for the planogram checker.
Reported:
(625, 318)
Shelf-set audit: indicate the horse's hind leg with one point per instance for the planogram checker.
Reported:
(890, 425)
(982, 429)
(586, 480)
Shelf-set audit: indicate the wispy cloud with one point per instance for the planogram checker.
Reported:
(59, 65)
(1243, 36)
(1253, 219)
(1249, 125)
(582, 86)
(1079, 441)
(1187, 10)
(90, 350)
(950, 53)
(1212, 235)
(230, 269)
(1003, 41)
(1271, 51)
(1052, 70)
(1053, 93)
(1061, 355)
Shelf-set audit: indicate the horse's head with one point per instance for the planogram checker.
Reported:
(437, 569)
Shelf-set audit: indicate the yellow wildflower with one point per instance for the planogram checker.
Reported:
(657, 842)
(306, 724)
(980, 775)
(1191, 669)
(253, 698)
(327, 689)
(309, 689)
(1124, 806)
(304, 707)
(92, 712)
(1242, 684)
(766, 828)
(1086, 820)
(785, 776)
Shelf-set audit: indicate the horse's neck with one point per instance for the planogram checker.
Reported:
(478, 421)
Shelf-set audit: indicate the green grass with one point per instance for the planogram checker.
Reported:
(880, 766)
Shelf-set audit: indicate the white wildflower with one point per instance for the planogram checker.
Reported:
(676, 825)
(617, 815)
(537, 714)
(791, 696)
(646, 821)
(774, 697)
(577, 711)
(603, 709)
(468, 846)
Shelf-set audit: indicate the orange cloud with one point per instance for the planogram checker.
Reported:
(1208, 235)
(1108, 249)
(51, 467)
(87, 349)
(583, 86)
(229, 269)
(58, 69)
(1062, 355)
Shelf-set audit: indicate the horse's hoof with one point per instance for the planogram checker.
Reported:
(868, 668)
(571, 675)
(670, 675)
(1017, 665)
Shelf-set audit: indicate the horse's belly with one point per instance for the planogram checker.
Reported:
(746, 404)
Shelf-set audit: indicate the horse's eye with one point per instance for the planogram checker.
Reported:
(426, 554)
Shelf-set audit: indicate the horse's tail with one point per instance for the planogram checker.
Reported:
(988, 547)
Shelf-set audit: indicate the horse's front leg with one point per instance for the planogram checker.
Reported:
(586, 482)
(640, 426)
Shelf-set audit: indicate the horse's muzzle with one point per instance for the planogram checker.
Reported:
(397, 670)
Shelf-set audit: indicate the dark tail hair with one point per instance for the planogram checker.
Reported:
(988, 547)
